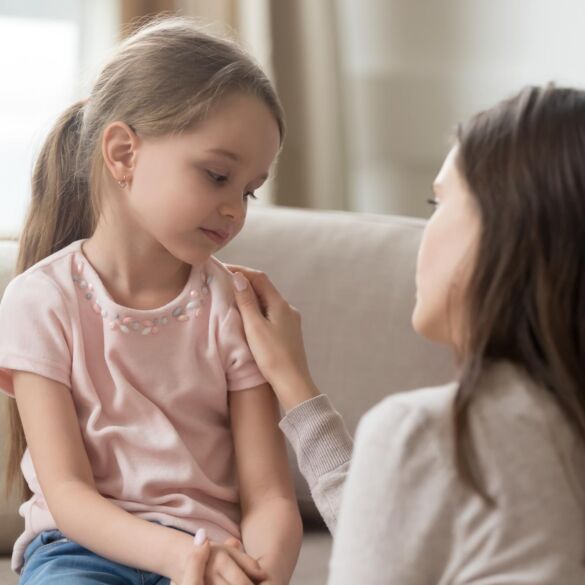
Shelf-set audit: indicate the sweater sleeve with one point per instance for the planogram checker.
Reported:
(396, 522)
(323, 448)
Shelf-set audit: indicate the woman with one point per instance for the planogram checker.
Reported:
(482, 480)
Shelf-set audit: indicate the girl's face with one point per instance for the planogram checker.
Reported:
(445, 258)
(190, 192)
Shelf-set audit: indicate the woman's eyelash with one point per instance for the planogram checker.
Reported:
(433, 202)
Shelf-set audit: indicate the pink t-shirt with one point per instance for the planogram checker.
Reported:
(150, 389)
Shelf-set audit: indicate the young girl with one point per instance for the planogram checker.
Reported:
(145, 417)
(481, 481)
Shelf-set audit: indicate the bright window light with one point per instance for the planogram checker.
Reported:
(39, 68)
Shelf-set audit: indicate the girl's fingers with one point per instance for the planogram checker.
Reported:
(233, 574)
(234, 543)
(249, 565)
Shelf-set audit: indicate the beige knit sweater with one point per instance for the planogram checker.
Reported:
(407, 519)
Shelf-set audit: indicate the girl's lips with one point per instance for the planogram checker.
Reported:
(217, 237)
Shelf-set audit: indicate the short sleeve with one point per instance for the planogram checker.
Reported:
(239, 365)
(34, 331)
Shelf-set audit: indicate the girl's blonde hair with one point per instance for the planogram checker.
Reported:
(163, 80)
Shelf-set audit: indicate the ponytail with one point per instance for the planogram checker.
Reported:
(60, 212)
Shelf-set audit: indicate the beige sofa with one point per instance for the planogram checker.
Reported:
(352, 277)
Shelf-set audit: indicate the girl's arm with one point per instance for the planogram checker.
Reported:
(315, 430)
(64, 472)
(271, 524)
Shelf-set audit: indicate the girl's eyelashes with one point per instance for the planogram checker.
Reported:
(219, 178)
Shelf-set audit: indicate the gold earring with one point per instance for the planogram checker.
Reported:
(123, 182)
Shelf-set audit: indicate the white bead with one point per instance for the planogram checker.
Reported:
(146, 330)
(124, 329)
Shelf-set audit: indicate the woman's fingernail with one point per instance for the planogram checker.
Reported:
(240, 282)
(200, 537)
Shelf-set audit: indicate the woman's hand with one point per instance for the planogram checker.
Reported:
(196, 565)
(273, 330)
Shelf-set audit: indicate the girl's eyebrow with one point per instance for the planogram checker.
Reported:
(235, 157)
(227, 153)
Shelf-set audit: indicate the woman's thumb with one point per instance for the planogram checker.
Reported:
(245, 296)
(197, 561)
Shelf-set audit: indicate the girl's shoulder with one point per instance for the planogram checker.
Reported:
(220, 283)
(45, 282)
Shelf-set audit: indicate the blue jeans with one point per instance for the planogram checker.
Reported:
(53, 559)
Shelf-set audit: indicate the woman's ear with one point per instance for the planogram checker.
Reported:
(119, 146)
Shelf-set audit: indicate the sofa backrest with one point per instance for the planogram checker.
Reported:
(352, 278)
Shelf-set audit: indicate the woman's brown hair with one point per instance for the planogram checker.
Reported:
(163, 79)
(524, 164)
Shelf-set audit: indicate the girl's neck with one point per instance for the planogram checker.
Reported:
(135, 269)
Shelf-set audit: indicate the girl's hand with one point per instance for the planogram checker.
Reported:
(230, 565)
(235, 543)
(273, 330)
(216, 564)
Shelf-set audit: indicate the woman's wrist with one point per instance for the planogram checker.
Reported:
(294, 391)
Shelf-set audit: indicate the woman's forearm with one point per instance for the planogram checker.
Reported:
(89, 519)
(323, 447)
(272, 533)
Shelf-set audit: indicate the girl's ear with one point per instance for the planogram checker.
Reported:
(119, 145)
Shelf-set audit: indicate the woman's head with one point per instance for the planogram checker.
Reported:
(446, 257)
(517, 176)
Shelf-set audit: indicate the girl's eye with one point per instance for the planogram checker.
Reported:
(250, 195)
(217, 177)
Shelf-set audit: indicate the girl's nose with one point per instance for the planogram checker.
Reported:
(235, 208)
